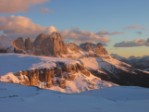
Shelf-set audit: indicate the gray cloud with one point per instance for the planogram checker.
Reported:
(109, 33)
(135, 27)
(46, 10)
(133, 43)
(139, 32)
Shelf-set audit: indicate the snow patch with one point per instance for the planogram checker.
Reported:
(9, 77)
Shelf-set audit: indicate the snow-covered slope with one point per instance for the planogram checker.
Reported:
(18, 98)
(48, 73)
(116, 71)
(17, 62)
(104, 63)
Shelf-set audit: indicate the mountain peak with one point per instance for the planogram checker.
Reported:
(98, 48)
(53, 45)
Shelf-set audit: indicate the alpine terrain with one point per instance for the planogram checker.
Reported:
(29, 69)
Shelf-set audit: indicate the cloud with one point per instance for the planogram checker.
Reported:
(20, 26)
(46, 10)
(15, 26)
(50, 30)
(133, 43)
(135, 27)
(139, 32)
(77, 35)
(110, 33)
(13, 6)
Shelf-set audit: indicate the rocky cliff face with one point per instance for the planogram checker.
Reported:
(19, 45)
(57, 76)
(48, 45)
(28, 45)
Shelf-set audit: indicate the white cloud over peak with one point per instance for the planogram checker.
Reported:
(15, 26)
(50, 30)
(19, 26)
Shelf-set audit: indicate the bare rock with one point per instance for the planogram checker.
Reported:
(39, 44)
(28, 45)
(85, 72)
(49, 45)
(19, 45)
(98, 49)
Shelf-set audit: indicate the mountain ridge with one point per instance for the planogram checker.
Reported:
(94, 58)
(53, 45)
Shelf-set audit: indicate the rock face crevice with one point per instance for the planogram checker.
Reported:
(57, 76)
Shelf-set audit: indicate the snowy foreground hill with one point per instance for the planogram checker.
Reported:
(27, 83)
(48, 73)
(18, 98)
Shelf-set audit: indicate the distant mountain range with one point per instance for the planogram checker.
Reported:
(137, 62)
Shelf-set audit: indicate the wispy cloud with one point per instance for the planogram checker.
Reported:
(135, 27)
(46, 10)
(77, 35)
(133, 43)
(110, 33)
(13, 6)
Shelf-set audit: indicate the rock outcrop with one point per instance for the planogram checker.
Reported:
(28, 45)
(19, 45)
(57, 76)
(48, 45)
(96, 49)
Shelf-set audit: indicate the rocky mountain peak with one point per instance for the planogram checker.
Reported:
(87, 46)
(19, 43)
(56, 35)
(28, 44)
(98, 48)
(55, 42)
(53, 45)
(48, 45)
